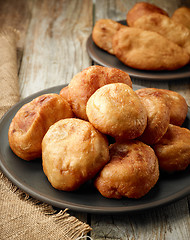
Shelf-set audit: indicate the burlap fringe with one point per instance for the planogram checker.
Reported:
(84, 238)
(74, 227)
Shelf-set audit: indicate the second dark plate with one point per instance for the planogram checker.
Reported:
(107, 60)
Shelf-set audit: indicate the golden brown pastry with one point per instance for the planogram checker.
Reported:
(116, 110)
(73, 151)
(131, 172)
(177, 105)
(32, 121)
(65, 93)
(173, 150)
(182, 16)
(165, 26)
(175, 102)
(85, 83)
(140, 9)
(103, 33)
(147, 50)
(158, 116)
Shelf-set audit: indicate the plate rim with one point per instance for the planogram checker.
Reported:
(33, 192)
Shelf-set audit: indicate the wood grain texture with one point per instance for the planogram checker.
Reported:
(55, 46)
(170, 222)
(150, 225)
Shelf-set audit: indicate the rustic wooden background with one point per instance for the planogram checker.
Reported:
(51, 50)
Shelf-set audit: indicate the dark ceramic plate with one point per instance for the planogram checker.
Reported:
(107, 60)
(29, 177)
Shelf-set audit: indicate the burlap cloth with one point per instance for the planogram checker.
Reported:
(23, 217)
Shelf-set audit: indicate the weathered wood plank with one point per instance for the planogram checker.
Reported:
(172, 221)
(55, 46)
(163, 223)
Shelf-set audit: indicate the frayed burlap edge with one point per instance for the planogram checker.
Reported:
(67, 226)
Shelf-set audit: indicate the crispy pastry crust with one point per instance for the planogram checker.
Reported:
(73, 151)
(131, 172)
(173, 150)
(176, 103)
(116, 110)
(86, 82)
(65, 94)
(166, 27)
(140, 9)
(147, 50)
(182, 16)
(158, 116)
(103, 33)
(32, 121)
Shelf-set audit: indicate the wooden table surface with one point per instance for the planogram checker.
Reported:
(51, 50)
